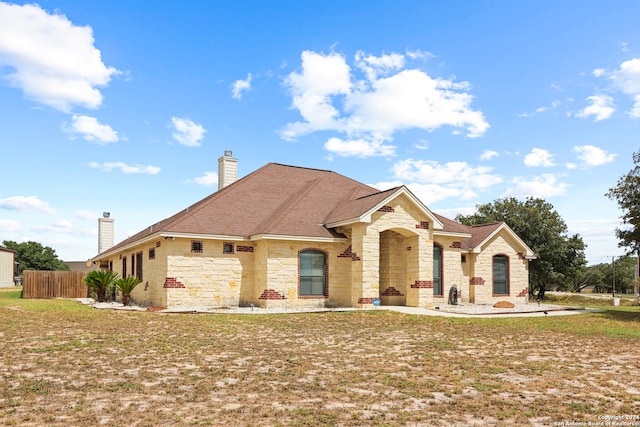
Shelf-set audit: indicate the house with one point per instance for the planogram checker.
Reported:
(7, 267)
(294, 236)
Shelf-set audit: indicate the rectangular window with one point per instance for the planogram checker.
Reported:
(152, 253)
(500, 275)
(312, 273)
(124, 266)
(463, 258)
(196, 246)
(227, 248)
(437, 270)
(139, 265)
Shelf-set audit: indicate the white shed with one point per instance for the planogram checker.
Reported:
(7, 267)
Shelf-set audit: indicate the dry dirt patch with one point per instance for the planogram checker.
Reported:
(80, 366)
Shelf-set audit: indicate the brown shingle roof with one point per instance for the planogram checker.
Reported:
(288, 201)
(275, 199)
(478, 232)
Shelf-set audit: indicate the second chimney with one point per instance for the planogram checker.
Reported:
(227, 170)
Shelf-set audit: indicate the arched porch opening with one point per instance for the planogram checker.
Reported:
(398, 265)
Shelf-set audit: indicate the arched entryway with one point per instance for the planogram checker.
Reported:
(398, 264)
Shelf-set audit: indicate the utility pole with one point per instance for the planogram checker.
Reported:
(635, 282)
(613, 276)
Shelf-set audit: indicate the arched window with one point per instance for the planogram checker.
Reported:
(500, 275)
(313, 273)
(437, 270)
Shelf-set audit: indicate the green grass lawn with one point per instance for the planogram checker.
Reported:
(69, 364)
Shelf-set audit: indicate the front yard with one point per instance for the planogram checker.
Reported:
(68, 364)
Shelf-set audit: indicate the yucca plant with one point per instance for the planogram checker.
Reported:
(126, 285)
(100, 281)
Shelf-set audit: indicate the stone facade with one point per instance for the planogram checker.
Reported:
(481, 283)
(386, 255)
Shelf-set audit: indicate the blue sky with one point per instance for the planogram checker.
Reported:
(126, 106)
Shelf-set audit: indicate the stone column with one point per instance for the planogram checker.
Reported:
(365, 274)
(420, 286)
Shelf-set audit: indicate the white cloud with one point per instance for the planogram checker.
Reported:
(599, 72)
(458, 174)
(554, 104)
(593, 156)
(539, 157)
(322, 77)
(240, 86)
(432, 182)
(92, 130)
(9, 226)
(208, 179)
(601, 108)
(627, 79)
(374, 66)
(26, 203)
(329, 97)
(125, 168)
(186, 132)
(53, 61)
(431, 193)
(358, 148)
(546, 185)
(488, 155)
(419, 54)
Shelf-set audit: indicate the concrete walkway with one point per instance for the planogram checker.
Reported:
(461, 311)
(498, 312)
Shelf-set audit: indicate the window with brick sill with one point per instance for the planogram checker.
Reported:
(196, 247)
(227, 248)
(312, 273)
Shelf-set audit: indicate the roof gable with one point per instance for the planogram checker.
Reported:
(477, 236)
(360, 209)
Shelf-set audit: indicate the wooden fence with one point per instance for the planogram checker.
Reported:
(53, 284)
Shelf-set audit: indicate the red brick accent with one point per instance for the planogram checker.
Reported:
(408, 248)
(244, 248)
(524, 292)
(172, 282)
(456, 245)
(476, 281)
(365, 300)
(271, 294)
(521, 256)
(423, 284)
(392, 292)
(346, 253)
(423, 225)
(386, 209)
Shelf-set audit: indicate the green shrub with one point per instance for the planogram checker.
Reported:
(126, 285)
(100, 281)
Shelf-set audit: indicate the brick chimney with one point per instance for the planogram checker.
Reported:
(227, 170)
